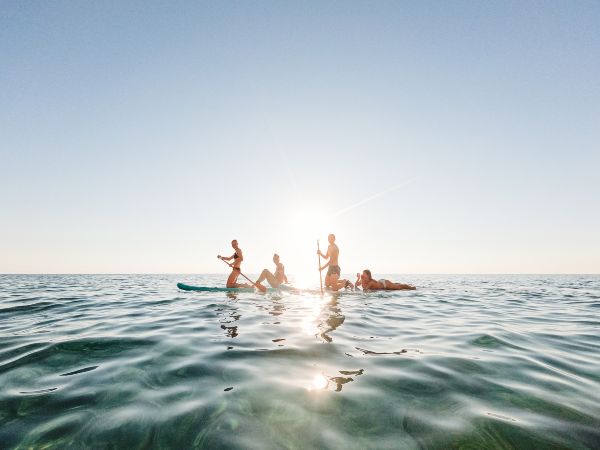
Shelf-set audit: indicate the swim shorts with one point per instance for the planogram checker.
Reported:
(334, 270)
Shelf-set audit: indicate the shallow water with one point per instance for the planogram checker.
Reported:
(463, 362)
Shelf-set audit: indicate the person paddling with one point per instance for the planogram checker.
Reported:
(237, 258)
(276, 279)
(332, 278)
(369, 284)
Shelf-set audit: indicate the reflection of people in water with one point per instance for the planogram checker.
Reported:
(323, 380)
(369, 284)
(340, 381)
(330, 319)
(227, 316)
(277, 309)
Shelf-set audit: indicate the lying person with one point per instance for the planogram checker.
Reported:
(276, 279)
(369, 284)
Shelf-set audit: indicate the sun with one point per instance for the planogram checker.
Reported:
(307, 225)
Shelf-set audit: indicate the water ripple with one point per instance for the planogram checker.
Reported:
(463, 362)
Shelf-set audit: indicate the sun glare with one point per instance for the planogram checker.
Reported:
(306, 226)
(311, 221)
(313, 307)
(319, 382)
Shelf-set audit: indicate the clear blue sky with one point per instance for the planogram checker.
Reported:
(144, 136)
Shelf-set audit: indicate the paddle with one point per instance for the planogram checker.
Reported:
(260, 287)
(320, 274)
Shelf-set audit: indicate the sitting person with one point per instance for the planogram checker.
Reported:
(369, 284)
(276, 279)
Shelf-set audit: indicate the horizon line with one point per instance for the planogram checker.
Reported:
(225, 273)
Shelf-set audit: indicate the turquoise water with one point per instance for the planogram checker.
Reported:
(116, 361)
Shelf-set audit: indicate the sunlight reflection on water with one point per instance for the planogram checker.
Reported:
(483, 362)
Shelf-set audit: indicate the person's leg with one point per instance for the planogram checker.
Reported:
(263, 276)
(345, 284)
(274, 282)
(327, 280)
(232, 279)
(334, 282)
(267, 275)
(337, 284)
(398, 286)
(332, 277)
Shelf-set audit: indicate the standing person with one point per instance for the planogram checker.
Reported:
(369, 284)
(276, 279)
(332, 278)
(237, 257)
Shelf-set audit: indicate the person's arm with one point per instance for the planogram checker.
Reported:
(358, 280)
(326, 256)
(325, 266)
(225, 258)
(285, 280)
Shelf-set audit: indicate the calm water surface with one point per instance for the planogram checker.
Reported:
(114, 361)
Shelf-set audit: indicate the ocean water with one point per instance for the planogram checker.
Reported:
(128, 361)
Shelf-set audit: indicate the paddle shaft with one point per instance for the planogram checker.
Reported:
(260, 288)
(320, 274)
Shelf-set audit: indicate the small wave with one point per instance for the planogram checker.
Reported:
(479, 362)
(30, 308)
(490, 341)
(399, 352)
(75, 372)
(39, 391)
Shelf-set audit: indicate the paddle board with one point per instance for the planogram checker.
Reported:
(283, 287)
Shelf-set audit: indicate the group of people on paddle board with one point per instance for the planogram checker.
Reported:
(275, 280)
(364, 280)
(333, 282)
